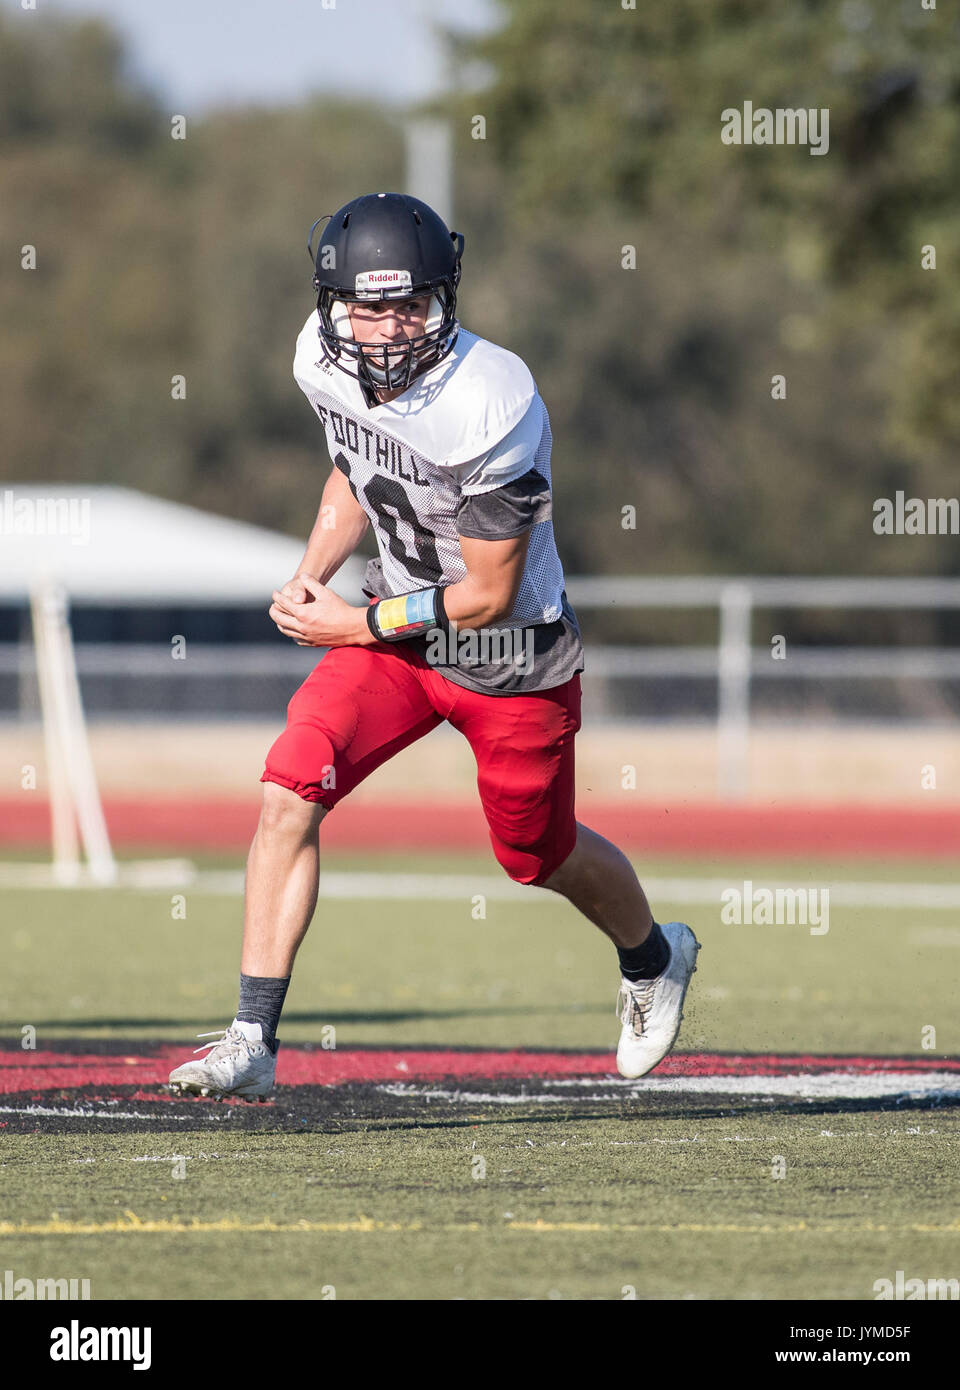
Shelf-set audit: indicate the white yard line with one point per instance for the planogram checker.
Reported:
(838, 1085)
(825, 1086)
(87, 1112)
(161, 876)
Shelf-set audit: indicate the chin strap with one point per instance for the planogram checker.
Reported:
(369, 395)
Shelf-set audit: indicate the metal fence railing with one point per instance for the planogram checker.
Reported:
(733, 661)
(250, 679)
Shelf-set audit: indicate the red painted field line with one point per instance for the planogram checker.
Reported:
(190, 825)
(37, 1072)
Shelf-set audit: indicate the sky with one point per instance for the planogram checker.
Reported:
(198, 54)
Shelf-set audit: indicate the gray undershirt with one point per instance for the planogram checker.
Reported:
(500, 661)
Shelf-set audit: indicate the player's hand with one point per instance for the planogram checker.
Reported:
(296, 589)
(323, 619)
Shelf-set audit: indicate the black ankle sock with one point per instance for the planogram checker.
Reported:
(261, 1001)
(646, 961)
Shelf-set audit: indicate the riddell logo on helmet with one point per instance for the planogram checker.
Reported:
(393, 279)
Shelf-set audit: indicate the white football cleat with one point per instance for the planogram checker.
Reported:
(239, 1064)
(651, 1010)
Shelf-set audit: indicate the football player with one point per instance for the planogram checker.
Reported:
(440, 441)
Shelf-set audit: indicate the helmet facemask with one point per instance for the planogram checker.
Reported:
(387, 366)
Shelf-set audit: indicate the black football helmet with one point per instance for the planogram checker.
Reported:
(385, 246)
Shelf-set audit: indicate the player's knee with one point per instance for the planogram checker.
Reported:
(534, 863)
(303, 761)
(286, 815)
(526, 865)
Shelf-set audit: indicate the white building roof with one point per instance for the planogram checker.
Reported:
(112, 545)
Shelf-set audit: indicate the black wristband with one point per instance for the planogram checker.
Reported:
(407, 615)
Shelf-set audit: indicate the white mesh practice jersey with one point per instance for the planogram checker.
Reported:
(472, 424)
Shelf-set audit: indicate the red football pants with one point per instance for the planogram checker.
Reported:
(361, 705)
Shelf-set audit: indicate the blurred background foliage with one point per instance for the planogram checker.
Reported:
(158, 257)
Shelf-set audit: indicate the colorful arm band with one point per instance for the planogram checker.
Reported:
(407, 615)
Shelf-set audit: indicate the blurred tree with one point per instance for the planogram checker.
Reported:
(159, 257)
(604, 126)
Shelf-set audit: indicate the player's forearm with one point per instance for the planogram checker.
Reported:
(474, 604)
(485, 596)
(487, 593)
(326, 551)
(337, 531)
